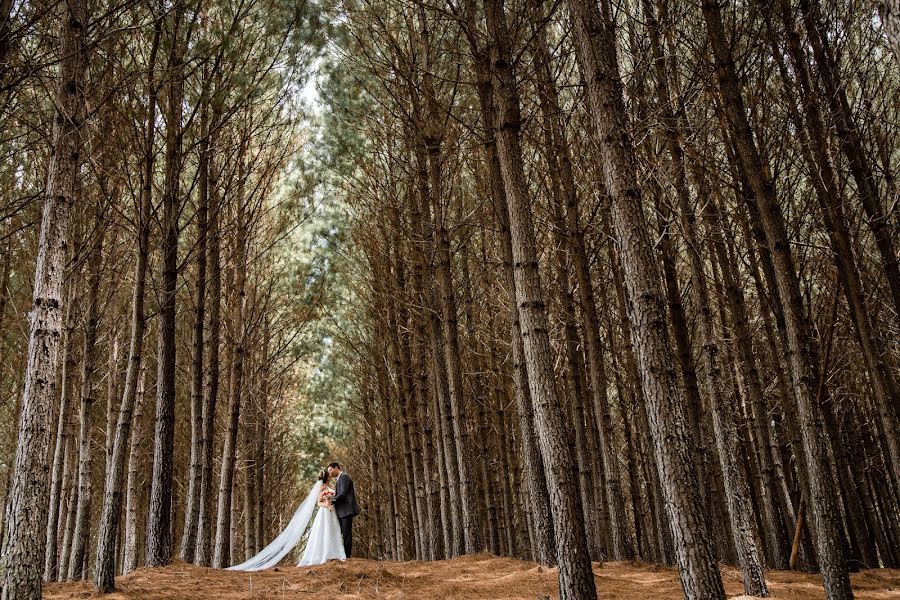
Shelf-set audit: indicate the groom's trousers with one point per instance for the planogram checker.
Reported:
(347, 533)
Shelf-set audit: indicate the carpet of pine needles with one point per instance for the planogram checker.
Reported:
(479, 577)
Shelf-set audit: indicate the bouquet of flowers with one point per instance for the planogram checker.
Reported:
(325, 496)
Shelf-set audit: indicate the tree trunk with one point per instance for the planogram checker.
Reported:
(195, 471)
(68, 532)
(418, 360)
(803, 361)
(482, 398)
(561, 167)
(775, 494)
(63, 443)
(451, 352)
(595, 45)
(262, 435)
(737, 491)
(26, 518)
(535, 477)
(112, 393)
(130, 554)
(440, 413)
(575, 576)
(77, 559)
(401, 366)
(211, 383)
(105, 565)
(159, 519)
(237, 335)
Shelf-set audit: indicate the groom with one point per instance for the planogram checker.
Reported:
(344, 503)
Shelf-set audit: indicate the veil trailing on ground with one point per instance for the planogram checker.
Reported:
(272, 554)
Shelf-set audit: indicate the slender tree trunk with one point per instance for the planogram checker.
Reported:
(195, 472)
(211, 383)
(418, 360)
(130, 554)
(440, 413)
(236, 384)
(105, 565)
(737, 491)
(77, 559)
(803, 361)
(68, 532)
(249, 487)
(159, 520)
(112, 393)
(535, 477)
(482, 397)
(262, 435)
(596, 53)
(774, 492)
(562, 165)
(22, 564)
(627, 407)
(850, 141)
(63, 442)
(451, 352)
(400, 345)
(679, 323)
(575, 576)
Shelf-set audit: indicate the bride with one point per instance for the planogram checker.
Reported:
(324, 542)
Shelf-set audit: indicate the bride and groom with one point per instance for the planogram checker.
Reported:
(331, 535)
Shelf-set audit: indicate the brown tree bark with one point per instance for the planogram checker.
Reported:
(575, 575)
(77, 558)
(450, 344)
(737, 491)
(418, 361)
(22, 564)
(159, 520)
(595, 45)
(238, 340)
(402, 359)
(104, 569)
(535, 477)
(481, 397)
(776, 498)
(204, 552)
(561, 167)
(803, 361)
(195, 470)
(448, 472)
(59, 479)
(130, 542)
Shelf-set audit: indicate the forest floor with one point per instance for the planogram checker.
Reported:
(479, 577)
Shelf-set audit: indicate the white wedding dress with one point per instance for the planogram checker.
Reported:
(324, 542)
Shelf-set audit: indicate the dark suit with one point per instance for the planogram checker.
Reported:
(345, 508)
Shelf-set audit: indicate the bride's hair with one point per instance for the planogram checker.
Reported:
(323, 476)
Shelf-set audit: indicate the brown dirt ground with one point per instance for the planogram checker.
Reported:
(479, 577)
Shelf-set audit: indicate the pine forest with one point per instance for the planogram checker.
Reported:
(571, 288)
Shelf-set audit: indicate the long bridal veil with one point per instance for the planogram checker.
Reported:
(272, 554)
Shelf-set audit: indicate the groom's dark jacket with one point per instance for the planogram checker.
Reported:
(344, 500)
